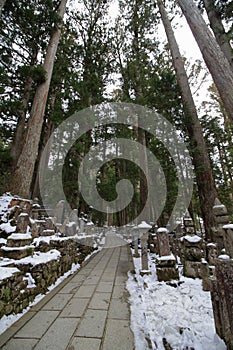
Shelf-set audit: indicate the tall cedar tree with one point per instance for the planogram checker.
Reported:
(203, 171)
(215, 60)
(22, 178)
(214, 16)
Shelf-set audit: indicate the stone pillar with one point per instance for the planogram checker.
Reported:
(163, 242)
(166, 268)
(70, 229)
(22, 223)
(221, 218)
(81, 225)
(207, 275)
(135, 234)
(228, 239)
(35, 209)
(189, 224)
(208, 266)
(143, 230)
(74, 216)
(222, 300)
(212, 253)
(60, 212)
(192, 254)
(18, 244)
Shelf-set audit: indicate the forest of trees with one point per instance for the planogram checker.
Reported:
(60, 56)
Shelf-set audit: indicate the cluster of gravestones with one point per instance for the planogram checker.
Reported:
(32, 221)
(210, 261)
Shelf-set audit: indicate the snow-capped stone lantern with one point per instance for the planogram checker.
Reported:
(143, 228)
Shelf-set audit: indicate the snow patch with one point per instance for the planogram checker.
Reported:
(228, 226)
(192, 239)
(224, 257)
(20, 236)
(6, 272)
(183, 315)
(39, 258)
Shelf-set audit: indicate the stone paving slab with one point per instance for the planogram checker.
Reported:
(58, 302)
(38, 325)
(100, 301)
(87, 311)
(20, 344)
(75, 308)
(85, 344)
(92, 324)
(58, 335)
(117, 336)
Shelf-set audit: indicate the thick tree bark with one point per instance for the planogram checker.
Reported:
(203, 171)
(218, 30)
(21, 182)
(215, 60)
(19, 134)
(49, 128)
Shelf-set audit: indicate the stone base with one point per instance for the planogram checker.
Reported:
(167, 273)
(15, 253)
(222, 300)
(192, 269)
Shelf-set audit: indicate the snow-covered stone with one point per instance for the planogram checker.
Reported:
(6, 272)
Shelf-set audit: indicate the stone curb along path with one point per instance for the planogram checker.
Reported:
(87, 311)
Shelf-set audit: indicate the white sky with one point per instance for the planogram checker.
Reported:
(187, 45)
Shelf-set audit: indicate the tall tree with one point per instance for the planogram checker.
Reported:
(215, 60)
(217, 26)
(22, 178)
(203, 171)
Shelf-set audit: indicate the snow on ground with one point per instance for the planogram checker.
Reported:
(182, 315)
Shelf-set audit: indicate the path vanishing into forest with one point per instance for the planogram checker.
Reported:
(88, 310)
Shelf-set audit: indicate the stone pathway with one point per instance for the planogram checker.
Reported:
(87, 311)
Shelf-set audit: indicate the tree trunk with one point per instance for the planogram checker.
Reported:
(49, 127)
(19, 134)
(205, 181)
(218, 29)
(2, 3)
(215, 60)
(23, 176)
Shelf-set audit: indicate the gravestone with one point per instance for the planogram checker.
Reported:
(166, 268)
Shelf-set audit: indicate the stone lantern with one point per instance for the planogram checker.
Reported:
(143, 231)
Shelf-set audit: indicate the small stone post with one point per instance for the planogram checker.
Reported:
(143, 231)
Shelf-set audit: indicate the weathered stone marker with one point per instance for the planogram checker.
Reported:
(221, 218)
(60, 212)
(143, 231)
(222, 299)
(228, 239)
(166, 268)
